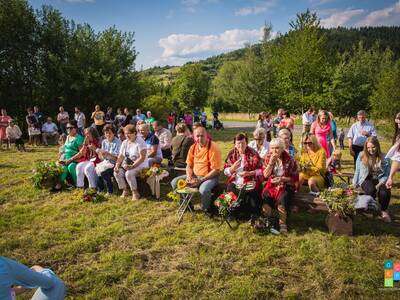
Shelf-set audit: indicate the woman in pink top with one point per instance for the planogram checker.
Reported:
(321, 128)
(3, 125)
(188, 119)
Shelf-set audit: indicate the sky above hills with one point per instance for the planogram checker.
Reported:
(176, 31)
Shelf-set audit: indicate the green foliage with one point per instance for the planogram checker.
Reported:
(339, 200)
(160, 106)
(385, 99)
(91, 195)
(46, 174)
(191, 87)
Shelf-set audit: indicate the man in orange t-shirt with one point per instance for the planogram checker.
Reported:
(203, 165)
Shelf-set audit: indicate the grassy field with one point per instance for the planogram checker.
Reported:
(121, 249)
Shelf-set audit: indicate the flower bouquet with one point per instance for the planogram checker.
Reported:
(340, 204)
(148, 172)
(225, 203)
(303, 165)
(46, 174)
(91, 195)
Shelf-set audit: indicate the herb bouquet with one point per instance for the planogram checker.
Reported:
(46, 174)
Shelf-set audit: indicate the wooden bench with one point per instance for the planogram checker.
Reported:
(345, 176)
(308, 202)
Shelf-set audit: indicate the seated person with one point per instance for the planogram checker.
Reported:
(154, 154)
(312, 164)
(371, 174)
(16, 278)
(180, 145)
(243, 165)
(286, 136)
(203, 168)
(49, 129)
(260, 143)
(280, 171)
(14, 134)
(394, 155)
(165, 138)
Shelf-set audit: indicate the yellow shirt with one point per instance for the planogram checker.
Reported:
(98, 117)
(316, 162)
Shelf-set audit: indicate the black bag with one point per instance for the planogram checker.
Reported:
(328, 178)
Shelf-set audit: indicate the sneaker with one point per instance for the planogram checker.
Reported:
(385, 217)
(283, 228)
(316, 194)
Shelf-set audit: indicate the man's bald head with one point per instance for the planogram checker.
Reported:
(200, 135)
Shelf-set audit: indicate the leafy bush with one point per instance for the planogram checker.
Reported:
(45, 174)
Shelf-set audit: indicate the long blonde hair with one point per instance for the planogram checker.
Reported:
(366, 158)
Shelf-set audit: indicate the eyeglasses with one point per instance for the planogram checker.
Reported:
(307, 143)
(70, 128)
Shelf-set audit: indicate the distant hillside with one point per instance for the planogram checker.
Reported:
(339, 40)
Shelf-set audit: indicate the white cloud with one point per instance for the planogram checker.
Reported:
(80, 1)
(189, 47)
(258, 8)
(341, 18)
(319, 2)
(191, 5)
(387, 16)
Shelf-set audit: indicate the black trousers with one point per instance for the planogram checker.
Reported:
(284, 199)
(357, 150)
(166, 153)
(251, 202)
(369, 188)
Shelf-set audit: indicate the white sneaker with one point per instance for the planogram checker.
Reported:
(316, 194)
(385, 217)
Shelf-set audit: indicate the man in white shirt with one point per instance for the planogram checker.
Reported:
(63, 119)
(165, 138)
(80, 119)
(308, 119)
(49, 129)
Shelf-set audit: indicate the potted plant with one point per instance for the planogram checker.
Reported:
(340, 204)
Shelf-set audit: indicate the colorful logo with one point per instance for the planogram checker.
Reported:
(391, 272)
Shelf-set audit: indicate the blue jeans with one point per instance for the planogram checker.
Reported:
(105, 176)
(205, 190)
(50, 287)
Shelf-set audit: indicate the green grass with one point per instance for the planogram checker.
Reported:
(135, 250)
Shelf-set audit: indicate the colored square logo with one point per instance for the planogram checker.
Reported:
(388, 282)
(388, 265)
(388, 273)
(396, 267)
(396, 276)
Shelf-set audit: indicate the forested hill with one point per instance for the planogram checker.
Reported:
(339, 40)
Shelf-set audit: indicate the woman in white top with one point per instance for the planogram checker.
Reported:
(131, 160)
(394, 156)
(259, 143)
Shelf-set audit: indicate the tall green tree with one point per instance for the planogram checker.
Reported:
(191, 87)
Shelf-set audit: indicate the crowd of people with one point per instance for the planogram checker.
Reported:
(120, 145)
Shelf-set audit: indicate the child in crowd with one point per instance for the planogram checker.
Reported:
(121, 134)
(61, 142)
(341, 139)
(334, 164)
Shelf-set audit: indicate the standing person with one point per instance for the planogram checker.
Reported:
(149, 118)
(16, 278)
(334, 127)
(33, 128)
(131, 160)
(109, 151)
(4, 121)
(280, 171)
(171, 120)
(307, 120)
(277, 121)
(110, 116)
(215, 118)
(181, 144)
(154, 154)
(80, 119)
(322, 129)
(139, 116)
(62, 119)
(188, 119)
(203, 168)
(128, 117)
(165, 138)
(358, 134)
(286, 122)
(372, 172)
(49, 129)
(98, 118)
(203, 119)
(341, 138)
(73, 144)
(260, 120)
(268, 125)
(39, 115)
(119, 118)
(88, 159)
(14, 134)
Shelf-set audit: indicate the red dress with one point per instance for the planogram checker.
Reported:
(3, 125)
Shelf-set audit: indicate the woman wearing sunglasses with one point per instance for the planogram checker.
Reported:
(312, 163)
(73, 143)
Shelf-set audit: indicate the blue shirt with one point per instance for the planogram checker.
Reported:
(355, 132)
(139, 117)
(152, 140)
(362, 171)
(112, 147)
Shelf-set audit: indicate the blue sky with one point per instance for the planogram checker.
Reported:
(176, 31)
